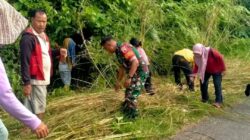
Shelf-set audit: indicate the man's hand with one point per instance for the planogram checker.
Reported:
(42, 131)
(27, 90)
(117, 86)
(127, 83)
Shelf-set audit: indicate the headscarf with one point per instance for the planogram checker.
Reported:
(12, 23)
(201, 62)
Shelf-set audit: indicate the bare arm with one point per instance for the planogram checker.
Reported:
(134, 66)
(121, 73)
(132, 71)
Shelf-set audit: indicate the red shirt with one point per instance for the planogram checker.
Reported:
(215, 63)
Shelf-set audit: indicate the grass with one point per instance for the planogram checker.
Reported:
(97, 115)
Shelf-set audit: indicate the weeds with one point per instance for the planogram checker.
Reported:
(97, 115)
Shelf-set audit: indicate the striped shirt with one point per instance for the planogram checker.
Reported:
(12, 23)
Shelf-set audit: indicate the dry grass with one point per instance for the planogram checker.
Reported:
(97, 116)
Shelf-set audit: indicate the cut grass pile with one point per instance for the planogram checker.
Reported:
(97, 115)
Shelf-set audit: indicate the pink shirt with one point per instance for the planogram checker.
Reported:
(11, 104)
(143, 55)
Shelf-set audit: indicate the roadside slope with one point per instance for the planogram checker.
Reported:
(97, 116)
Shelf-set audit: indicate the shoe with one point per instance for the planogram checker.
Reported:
(191, 90)
(150, 92)
(204, 101)
(180, 87)
(217, 105)
(129, 108)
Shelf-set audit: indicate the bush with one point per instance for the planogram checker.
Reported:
(164, 26)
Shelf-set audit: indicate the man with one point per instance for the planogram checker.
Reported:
(183, 60)
(11, 24)
(36, 63)
(136, 69)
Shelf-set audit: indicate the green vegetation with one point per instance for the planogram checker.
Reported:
(164, 26)
(96, 115)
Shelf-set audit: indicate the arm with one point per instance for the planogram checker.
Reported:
(120, 74)
(130, 56)
(72, 51)
(134, 66)
(132, 71)
(220, 60)
(26, 47)
(10, 103)
(222, 63)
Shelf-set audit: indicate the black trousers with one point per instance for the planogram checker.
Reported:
(148, 83)
(181, 64)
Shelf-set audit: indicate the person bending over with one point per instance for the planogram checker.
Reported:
(136, 69)
(209, 62)
(183, 60)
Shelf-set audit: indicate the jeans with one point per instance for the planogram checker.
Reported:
(3, 131)
(217, 79)
(181, 64)
(65, 73)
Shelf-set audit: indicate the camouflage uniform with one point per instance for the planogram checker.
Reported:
(125, 54)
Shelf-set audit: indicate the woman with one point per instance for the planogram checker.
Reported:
(138, 45)
(209, 62)
(67, 61)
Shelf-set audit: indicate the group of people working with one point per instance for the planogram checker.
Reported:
(36, 68)
(204, 62)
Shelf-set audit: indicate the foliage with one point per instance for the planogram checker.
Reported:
(96, 115)
(9, 56)
(163, 25)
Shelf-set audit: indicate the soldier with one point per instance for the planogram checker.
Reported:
(136, 69)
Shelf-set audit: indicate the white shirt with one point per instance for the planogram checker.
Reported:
(45, 60)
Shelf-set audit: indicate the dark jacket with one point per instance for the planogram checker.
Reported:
(31, 57)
